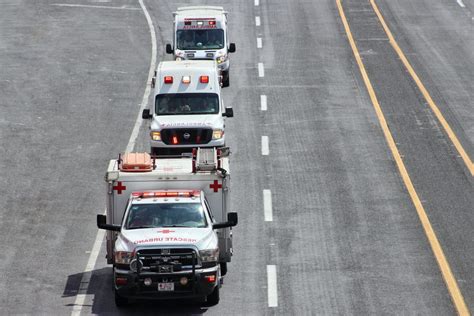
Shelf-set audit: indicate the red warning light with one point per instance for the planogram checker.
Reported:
(204, 79)
(174, 140)
(168, 79)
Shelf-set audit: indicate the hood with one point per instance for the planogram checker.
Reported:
(202, 238)
(214, 121)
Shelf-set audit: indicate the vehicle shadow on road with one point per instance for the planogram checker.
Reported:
(101, 296)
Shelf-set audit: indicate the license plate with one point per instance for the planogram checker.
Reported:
(165, 287)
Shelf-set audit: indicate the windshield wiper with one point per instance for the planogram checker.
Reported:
(138, 227)
(176, 226)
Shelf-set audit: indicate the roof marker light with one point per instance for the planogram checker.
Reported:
(204, 79)
(162, 194)
(212, 22)
(168, 79)
(186, 79)
(200, 23)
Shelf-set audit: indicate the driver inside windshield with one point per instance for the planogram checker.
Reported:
(166, 215)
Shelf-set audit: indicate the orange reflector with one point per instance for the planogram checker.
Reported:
(210, 278)
(204, 79)
(168, 79)
(186, 79)
(174, 140)
(120, 281)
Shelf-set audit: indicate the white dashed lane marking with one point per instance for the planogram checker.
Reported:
(267, 205)
(265, 148)
(261, 70)
(257, 21)
(263, 102)
(259, 42)
(272, 286)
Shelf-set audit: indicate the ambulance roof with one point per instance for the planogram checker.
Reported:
(194, 66)
(194, 11)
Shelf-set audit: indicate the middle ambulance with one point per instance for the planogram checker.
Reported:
(188, 110)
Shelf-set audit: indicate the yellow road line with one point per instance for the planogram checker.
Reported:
(448, 276)
(452, 136)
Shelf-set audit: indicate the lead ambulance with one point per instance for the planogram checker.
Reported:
(200, 32)
(188, 109)
(168, 225)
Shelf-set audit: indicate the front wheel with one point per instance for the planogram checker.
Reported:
(223, 268)
(213, 298)
(120, 301)
(225, 79)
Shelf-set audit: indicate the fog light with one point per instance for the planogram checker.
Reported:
(147, 281)
(183, 281)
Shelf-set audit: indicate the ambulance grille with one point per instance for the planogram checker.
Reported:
(186, 136)
(167, 260)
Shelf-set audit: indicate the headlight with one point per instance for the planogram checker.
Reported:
(209, 255)
(217, 134)
(134, 264)
(155, 135)
(179, 58)
(221, 59)
(123, 257)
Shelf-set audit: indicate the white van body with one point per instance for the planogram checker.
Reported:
(188, 110)
(201, 32)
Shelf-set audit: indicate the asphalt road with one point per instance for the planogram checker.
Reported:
(344, 236)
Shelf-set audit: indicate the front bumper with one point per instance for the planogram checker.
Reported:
(197, 286)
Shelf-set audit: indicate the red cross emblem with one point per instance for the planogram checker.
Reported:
(165, 231)
(215, 186)
(119, 187)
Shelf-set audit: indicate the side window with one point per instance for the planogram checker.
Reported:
(209, 210)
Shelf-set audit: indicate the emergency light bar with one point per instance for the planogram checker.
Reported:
(166, 194)
(168, 79)
(204, 79)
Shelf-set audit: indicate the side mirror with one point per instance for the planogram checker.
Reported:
(146, 114)
(229, 112)
(101, 223)
(232, 220)
(232, 48)
(169, 49)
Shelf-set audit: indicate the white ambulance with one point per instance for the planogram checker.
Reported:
(168, 225)
(188, 109)
(200, 32)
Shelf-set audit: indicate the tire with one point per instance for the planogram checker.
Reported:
(225, 79)
(214, 297)
(120, 301)
(223, 268)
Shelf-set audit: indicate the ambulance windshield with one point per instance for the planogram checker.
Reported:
(165, 215)
(186, 103)
(200, 39)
